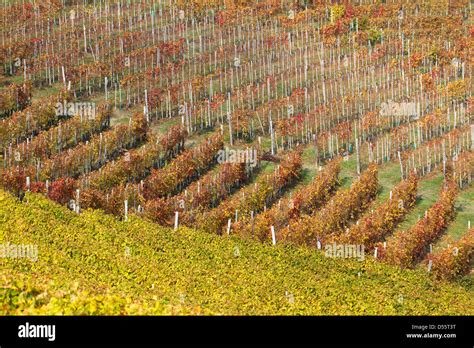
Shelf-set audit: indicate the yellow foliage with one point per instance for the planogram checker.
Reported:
(337, 11)
(456, 89)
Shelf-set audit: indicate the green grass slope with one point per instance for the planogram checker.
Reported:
(94, 264)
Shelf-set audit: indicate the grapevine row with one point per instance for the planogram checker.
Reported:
(305, 201)
(186, 167)
(13, 98)
(181, 170)
(203, 194)
(40, 115)
(405, 248)
(253, 198)
(82, 159)
(344, 207)
(62, 137)
(376, 225)
(455, 260)
(136, 163)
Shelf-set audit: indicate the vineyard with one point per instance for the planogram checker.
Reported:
(236, 157)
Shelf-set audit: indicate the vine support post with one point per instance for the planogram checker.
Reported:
(444, 158)
(253, 222)
(357, 149)
(273, 235)
(126, 210)
(229, 120)
(78, 194)
(176, 220)
(401, 163)
(272, 134)
(472, 137)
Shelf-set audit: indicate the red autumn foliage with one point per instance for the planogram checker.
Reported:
(61, 190)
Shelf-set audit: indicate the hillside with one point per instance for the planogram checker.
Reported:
(271, 132)
(95, 264)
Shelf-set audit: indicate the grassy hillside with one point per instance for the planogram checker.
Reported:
(95, 264)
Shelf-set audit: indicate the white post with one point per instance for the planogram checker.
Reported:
(77, 201)
(126, 210)
(430, 264)
(401, 164)
(273, 235)
(176, 220)
(375, 252)
(85, 38)
(105, 88)
(64, 76)
(444, 158)
(356, 137)
(228, 226)
(252, 219)
(28, 183)
(145, 108)
(272, 135)
(229, 119)
(472, 137)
